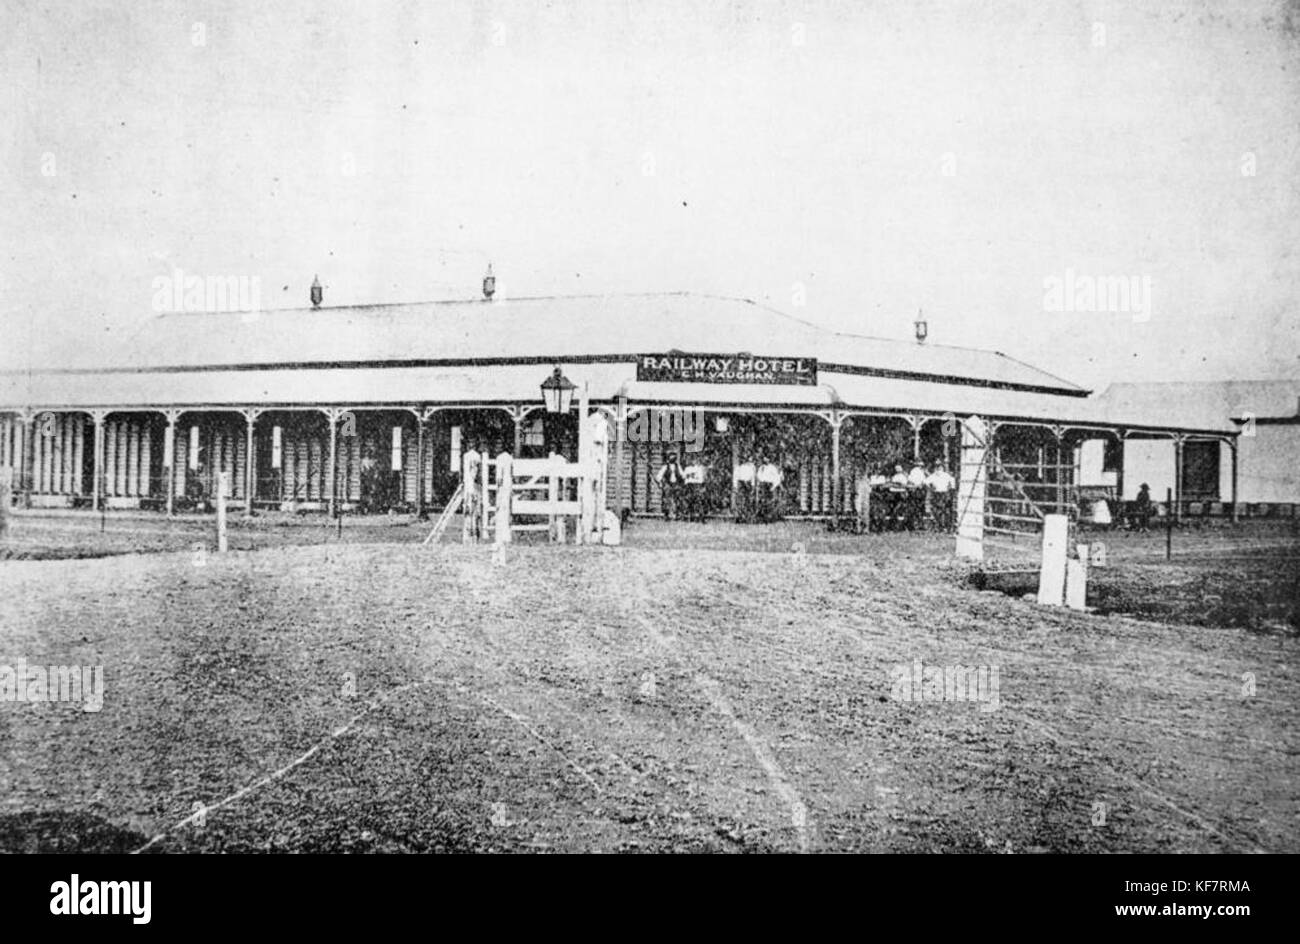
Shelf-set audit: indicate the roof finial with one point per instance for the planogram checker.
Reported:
(922, 327)
(489, 283)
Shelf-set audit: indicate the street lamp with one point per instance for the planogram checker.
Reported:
(557, 392)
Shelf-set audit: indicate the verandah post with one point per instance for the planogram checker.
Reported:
(331, 417)
(419, 466)
(97, 487)
(1236, 505)
(836, 422)
(169, 459)
(1177, 509)
(29, 456)
(620, 433)
(1059, 476)
(250, 467)
(1169, 523)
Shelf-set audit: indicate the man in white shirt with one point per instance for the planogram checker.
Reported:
(916, 478)
(942, 487)
(940, 480)
(770, 474)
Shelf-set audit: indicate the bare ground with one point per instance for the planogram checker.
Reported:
(645, 698)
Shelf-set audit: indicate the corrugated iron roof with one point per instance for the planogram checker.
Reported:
(543, 329)
(1202, 403)
(499, 352)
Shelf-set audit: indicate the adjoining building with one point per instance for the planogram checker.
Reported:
(369, 407)
(1267, 414)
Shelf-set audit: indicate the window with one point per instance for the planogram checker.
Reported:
(396, 458)
(1201, 470)
(1114, 456)
(277, 446)
(535, 433)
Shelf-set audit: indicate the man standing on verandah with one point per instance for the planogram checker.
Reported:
(671, 479)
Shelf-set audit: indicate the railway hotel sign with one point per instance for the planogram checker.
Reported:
(727, 369)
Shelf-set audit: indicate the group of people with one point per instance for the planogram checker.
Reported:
(685, 492)
(758, 490)
(684, 489)
(1134, 516)
(905, 500)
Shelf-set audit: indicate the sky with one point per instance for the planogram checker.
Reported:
(849, 163)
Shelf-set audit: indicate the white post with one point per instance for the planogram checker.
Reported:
(584, 434)
(585, 523)
(466, 502)
(552, 496)
(469, 491)
(1076, 583)
(504, 488)
(223, 482)
(970, 489)
(600, 475)
(1051, 579)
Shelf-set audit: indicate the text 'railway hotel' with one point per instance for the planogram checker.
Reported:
(368, 407)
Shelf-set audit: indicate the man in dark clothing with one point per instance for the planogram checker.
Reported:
(671, 479)
(1142, 509)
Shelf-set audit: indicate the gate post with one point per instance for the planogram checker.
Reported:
(972, 480)
(504, 481)
(1051, 577)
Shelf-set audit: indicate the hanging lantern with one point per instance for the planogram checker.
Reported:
(557, 392)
